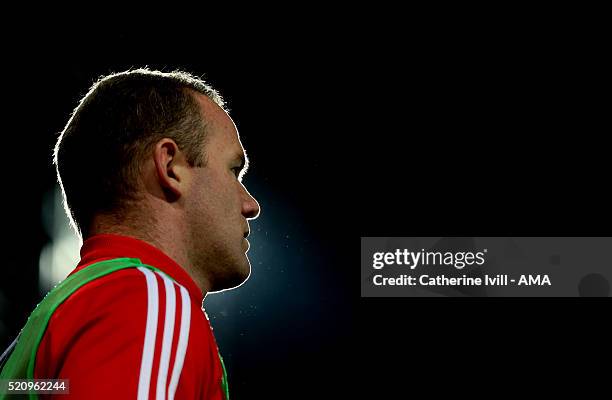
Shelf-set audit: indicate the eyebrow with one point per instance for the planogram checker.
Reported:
(244, 163)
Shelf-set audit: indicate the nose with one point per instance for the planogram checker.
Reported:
(250, 206)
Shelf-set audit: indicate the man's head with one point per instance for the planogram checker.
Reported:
(156, 153)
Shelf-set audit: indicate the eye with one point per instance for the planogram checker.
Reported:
(236, 171)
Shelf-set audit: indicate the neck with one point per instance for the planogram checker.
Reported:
(171, 241)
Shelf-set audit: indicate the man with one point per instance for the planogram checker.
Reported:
(150, 166)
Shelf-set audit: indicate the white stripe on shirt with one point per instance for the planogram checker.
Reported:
(181, 347)
(146, 364)
(164, 361)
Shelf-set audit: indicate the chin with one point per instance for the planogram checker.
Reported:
(234, 276)
(243, 274)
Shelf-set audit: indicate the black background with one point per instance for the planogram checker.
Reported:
(369, 125)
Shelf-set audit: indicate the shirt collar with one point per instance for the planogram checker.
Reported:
(107, 246)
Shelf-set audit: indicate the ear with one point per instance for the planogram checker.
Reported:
(171, 168)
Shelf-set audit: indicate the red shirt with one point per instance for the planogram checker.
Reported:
(133, 333)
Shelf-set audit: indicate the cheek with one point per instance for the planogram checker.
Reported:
(218, 197)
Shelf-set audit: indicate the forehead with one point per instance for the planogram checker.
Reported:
(221, 130)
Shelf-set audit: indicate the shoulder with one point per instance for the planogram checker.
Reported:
(134, 321)
(136, 300)
(131, 297)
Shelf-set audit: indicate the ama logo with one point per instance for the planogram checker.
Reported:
(529, 280)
